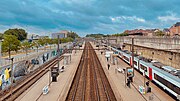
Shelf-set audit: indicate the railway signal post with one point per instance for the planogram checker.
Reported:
(132, 63)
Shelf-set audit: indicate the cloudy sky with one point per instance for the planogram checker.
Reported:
(87, 16)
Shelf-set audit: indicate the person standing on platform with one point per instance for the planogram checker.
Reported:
(128, 83)
(0, 82)
(108, 66)
(107, 59)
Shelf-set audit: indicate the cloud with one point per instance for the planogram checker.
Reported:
(130, 18)
(87, 16)
(171, 17)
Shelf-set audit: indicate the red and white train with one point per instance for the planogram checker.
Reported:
(166, 77)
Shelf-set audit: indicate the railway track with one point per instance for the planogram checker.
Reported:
(90, 81)
(21, 86)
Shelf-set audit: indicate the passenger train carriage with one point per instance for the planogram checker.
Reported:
(165, 76)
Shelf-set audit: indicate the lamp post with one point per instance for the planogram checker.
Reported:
(58, 49)
(132, 64)
(0, 50)
(49, 76)
(144, 76)
(12, 74)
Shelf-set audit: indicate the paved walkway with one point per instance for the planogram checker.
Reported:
(117, 81)
(58, 90)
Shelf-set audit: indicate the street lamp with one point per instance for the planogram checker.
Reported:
(132, 61)
(145, 70)
(0, 50)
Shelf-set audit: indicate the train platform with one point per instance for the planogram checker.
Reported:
(57, 90)
(117, 82)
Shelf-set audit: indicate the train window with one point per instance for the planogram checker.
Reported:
(135, 63)
(143, 67)
(126, 58)
(167, 84)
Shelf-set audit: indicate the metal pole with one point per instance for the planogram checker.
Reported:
(12, 75)
(58, 50)
(125, 75)
(0, 52)
(49, 76)
(133, 55)
(144, 77)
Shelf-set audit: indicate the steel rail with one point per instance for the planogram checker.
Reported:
(78, 74)
(95, 79)
(31, 78)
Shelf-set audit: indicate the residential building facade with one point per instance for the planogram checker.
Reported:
(141, 32)
(175, 29)
(62, 34)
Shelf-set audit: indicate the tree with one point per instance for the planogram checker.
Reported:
(41, 42)
(19, 33)
(10, 43)
(35, 44)
(72, 35)
(26, 45)
(95, 35)
(65, 40)
(1, 36)
(159, 33)
(120, 34)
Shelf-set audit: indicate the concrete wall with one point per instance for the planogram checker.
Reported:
(164, 49)
(165, 57)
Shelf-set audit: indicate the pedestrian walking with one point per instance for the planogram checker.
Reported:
(128, 83)
(107, 59)
(108, 66)
(147, 83)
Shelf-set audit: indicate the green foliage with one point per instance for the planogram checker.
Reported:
(41, 42)
(1, 36)
(120, 34)
(68, 39)
(35, 44)
(159, 33)
(26, 45)
(10, 43)
(19, 33)
(95, 35)
(44, 41)
(63, 40)
(72, 35)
